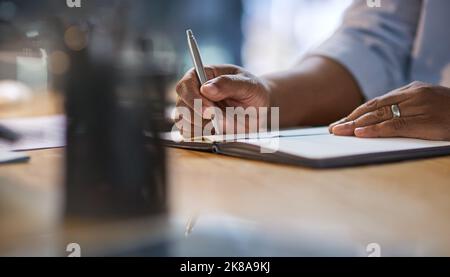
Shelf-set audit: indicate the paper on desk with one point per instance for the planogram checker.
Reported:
(37, 133)
(11, 157)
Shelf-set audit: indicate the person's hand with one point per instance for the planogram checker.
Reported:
(229, 86)
(424, 109)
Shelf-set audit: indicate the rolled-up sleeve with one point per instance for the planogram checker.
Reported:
(375, 44)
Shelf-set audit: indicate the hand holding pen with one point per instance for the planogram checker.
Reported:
(217, 86)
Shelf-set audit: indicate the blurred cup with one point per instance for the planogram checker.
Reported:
(32, 70)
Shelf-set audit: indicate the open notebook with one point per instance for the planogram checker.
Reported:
(314, 147)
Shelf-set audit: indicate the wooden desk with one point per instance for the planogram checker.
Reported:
(404, 205)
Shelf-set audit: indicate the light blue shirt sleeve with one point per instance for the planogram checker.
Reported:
(375, 44)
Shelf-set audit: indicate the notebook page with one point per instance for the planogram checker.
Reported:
(177, 137)
(299, 132)
(330, 146)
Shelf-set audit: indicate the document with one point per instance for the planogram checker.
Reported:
(36, 133)
(327, 146)
(12, 157)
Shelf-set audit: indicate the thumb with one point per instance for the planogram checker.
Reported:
(225, 87)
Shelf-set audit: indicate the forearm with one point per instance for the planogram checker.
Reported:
(318, 91)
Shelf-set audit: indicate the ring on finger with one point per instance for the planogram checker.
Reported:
(396, 111)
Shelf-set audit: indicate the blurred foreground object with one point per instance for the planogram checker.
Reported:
(112, 170)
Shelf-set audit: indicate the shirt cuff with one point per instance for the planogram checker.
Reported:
(365, 66)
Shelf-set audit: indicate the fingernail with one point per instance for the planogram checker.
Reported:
(210, 89)
(344, 129)
(339, 122)
(359, 132)
(344, 126)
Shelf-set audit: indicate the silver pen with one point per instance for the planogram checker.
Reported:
(196, 57)
(199, 67)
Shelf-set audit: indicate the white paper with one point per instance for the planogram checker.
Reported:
(330, 146)
(8, 157)
(37, 133)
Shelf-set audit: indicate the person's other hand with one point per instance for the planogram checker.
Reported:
(425, 114)
(229, 86)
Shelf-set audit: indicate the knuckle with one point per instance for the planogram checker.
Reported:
(181, 88)
(191, 73)
(417, 84)
(382, 112)
(187, 81)
(369, 118)
(373, 103)
(423, 93)
(416, 92)
(210, 72)
(234, 68)
(178, 87)
(421, 87)
(400, 124)
(221, 80)
(420, 84)
(425, 89)
(253, 82)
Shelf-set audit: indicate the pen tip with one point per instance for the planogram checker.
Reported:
(189, 32)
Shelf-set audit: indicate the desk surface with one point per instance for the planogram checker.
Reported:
(405, 203)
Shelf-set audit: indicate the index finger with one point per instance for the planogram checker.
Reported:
(395, 97)
(188, 89)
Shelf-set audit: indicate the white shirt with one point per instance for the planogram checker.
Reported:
(389, 46)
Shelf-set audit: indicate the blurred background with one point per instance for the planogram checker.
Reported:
(261, 35)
